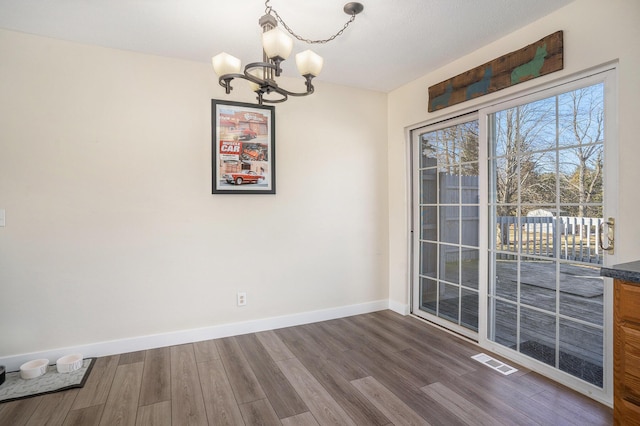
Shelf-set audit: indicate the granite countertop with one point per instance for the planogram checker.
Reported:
(623, 271)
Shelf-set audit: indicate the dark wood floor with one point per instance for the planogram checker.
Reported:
(373, 369)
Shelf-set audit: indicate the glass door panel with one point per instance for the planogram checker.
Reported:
(447, 250)
(546, 203)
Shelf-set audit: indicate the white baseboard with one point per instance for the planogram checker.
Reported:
(400, 308)
(13, 363)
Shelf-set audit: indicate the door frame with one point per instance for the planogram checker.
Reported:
(607, 74)
(415, 176)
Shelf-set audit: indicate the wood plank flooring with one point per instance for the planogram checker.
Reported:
(373, 369)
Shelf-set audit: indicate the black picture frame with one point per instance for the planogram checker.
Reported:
(243, 159)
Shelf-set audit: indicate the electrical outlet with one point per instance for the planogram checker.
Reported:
(242, 298)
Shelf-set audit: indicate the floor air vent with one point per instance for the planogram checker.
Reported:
(499, 366)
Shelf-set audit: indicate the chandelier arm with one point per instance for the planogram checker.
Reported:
(225, 81)
(262, 100)
(273, 86)
(310, 90)
(253, 65)
(266, 86)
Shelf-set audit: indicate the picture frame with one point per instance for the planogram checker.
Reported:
(242, 148)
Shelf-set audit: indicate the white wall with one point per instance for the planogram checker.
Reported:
(595, 33)
(111, 228)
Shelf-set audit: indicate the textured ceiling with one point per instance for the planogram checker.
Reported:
(389, 44)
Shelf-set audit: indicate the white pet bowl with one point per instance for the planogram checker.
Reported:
(69, 363)
(33, 369)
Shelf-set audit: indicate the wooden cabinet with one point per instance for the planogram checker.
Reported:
(626, 342)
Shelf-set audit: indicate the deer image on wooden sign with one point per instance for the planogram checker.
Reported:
(442, 100)
(481, 87)
(531, 68)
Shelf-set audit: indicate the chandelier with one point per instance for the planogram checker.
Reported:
(277, 46)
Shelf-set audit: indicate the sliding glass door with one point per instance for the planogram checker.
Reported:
(513, 216)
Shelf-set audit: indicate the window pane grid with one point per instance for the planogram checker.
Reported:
(449, 207)
(546, 204)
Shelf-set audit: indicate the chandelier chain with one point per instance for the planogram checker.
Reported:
(269, 10)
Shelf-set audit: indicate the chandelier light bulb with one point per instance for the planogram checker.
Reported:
(256, 72)
(277, 44)
(309, 63)
(223, 63)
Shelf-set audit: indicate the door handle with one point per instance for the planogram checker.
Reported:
(610, 225)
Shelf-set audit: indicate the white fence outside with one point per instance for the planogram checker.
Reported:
(576, 237)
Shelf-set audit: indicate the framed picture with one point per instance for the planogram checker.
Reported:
(243, 148)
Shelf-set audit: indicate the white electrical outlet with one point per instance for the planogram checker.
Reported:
(242, 298)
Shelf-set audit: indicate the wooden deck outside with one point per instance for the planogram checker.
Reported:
(580, 350)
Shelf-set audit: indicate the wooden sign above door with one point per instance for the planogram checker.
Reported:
(542, 57)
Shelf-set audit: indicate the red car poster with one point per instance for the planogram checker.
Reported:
(243, 154)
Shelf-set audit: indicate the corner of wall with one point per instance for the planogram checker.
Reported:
(400, 308)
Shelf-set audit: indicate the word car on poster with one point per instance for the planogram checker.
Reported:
(242, 148)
